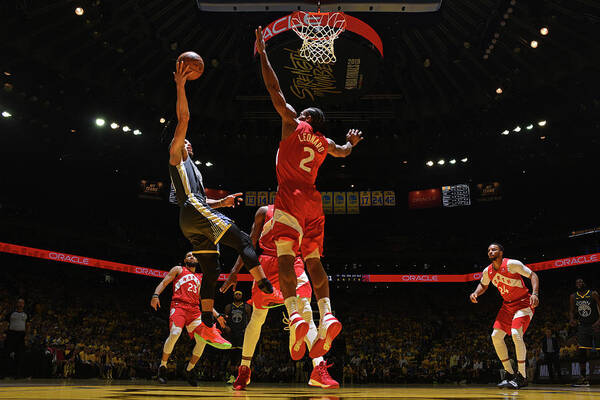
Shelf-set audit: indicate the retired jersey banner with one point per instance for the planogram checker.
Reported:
(377, 198)
(327, 199)
(272, 197)
(262, 198)
(365, 199)
(339, 202)
(389, 198)
(250, 199)
(353, 202)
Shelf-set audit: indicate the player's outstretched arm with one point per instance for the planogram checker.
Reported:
(177, 149)
(286, 111)
(257, 227)
(229, 201)
(352, 138)
(155, 302)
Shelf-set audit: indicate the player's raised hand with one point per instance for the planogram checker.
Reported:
(473, 297)
(221, 321)
(155, 303)
(231, 200)
(231, 281)
(260, 40)
(182, 73)
(354, 136)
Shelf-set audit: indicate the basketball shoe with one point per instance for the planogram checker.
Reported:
(211, 336)
(329, 328)
(320, 377)
(162, 374)
(243, 378)
(298, 328)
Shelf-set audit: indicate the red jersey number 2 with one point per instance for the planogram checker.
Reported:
(306, 160)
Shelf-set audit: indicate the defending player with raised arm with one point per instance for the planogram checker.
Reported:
(299, 219)
(185, 312)
(200, 223)
(516, 312)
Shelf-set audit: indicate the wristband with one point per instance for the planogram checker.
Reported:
(535, 294)
(155, 295)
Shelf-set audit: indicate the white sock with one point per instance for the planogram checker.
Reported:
(190, 367)
(163, 363)
(317, 361)
(501, 350)
(520, 350)
(291, 303)
(246, 362)
(324, 306)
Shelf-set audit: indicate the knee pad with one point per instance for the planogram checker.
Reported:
(172, 339)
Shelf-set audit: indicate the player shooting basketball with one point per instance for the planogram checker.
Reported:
(298, 216)
(200, 223)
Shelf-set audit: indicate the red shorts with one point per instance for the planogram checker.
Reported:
(514, 315)
(269, 265)
(299, 218)
(184, 314)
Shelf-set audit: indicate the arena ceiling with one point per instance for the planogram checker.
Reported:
(436, 95)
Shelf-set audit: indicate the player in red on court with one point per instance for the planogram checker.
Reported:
(185, 312)
(261, 303)
(516, 311)
(298, 217)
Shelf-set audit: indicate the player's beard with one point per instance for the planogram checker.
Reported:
(191, 264)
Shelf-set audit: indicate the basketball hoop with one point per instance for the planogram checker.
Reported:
(318, 31)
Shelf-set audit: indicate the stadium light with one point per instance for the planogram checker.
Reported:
(464, 159)
(137, 132)
(542, 123)
(209, 164)
(453, 161)
(100, 122)
(517, 129)
(505, 132)
(126, 128)
(499, 90)
(534, 44)
(544, 31)
(162, 120)
(6, 114)
(529, 127)
(114, 125)
(197, 162)
(441, 162)
(429, 163)
(79, 11)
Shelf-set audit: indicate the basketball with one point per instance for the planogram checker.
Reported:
(194, 61)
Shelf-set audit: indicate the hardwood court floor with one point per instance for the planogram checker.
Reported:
(85, 389)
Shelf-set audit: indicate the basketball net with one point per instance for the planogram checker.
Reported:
(318, 31)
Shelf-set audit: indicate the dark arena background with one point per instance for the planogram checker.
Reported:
(481, 122)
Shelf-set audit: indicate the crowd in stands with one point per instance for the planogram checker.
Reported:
(83, 325)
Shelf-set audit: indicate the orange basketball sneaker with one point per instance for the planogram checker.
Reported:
(211, 336)
(329, 328)
(243, 378)
(320, 377)
(298, 330)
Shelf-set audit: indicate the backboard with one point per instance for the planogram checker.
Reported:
(381, 6)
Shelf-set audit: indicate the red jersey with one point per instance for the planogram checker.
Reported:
(300, 155)
(267, 242)
(510, 285)
(186, 287)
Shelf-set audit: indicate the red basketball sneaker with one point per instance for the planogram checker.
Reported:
(298, 330)
(212, 336)
(243, 378)
(329, 328)
(320, 377)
